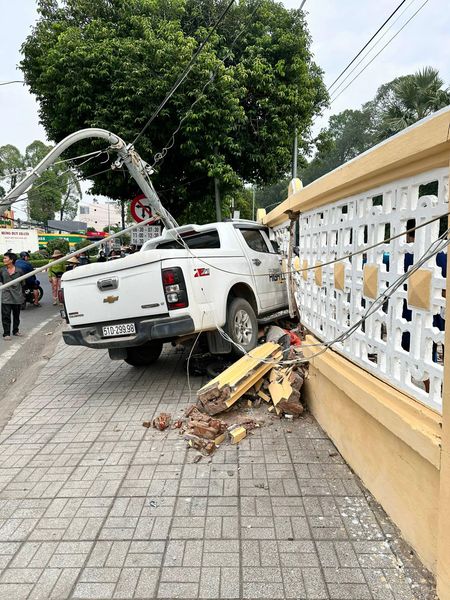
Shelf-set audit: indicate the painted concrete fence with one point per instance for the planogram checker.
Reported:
(382, 393)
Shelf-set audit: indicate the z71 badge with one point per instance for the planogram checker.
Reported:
(201, 272)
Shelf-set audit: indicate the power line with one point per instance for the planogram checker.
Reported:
(367, 44)
(185, 72)
(380, 51)
(183, 244)
(363, 58)
(159, 156)
(9, 82)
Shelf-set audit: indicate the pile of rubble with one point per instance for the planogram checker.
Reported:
(256, 376)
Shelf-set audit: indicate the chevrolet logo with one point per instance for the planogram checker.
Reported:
(110, 299)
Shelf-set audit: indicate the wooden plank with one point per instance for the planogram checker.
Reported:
(239, 370)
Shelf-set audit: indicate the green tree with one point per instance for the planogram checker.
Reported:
(58, 244)
(97, 63)
(396, 105)
(405, 100)
(56, 190)
(11, 168)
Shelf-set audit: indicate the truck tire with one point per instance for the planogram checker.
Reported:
(142, 356)
(242, 325)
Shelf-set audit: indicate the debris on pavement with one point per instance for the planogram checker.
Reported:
(260, 380)
(257, 377)
(225, 389)
(278, 335)
(237, 433)
(162, 421)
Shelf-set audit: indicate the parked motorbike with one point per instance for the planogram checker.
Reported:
(28, 294)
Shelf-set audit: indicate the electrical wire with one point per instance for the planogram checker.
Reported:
(330, 262)
(159, 156)
(185, 71)
(366, 45)
(9, 82)
(24, 196)
(380, 51)
(363, 58)
(190, 355)
(378, 302)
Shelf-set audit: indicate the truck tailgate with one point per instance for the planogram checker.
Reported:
(118, 290)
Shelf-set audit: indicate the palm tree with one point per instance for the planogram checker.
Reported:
(408, 99)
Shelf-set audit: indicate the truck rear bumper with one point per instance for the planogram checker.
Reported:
(146, 330)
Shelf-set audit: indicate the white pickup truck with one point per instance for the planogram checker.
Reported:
(221, 274)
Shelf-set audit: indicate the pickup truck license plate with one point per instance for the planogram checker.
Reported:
(122, 329)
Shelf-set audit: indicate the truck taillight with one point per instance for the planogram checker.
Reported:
(174, 288)
(61, 296)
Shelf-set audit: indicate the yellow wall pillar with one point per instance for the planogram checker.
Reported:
(443, 557)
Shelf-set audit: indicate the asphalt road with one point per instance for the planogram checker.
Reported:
(22, 358)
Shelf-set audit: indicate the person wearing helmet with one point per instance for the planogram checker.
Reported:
(24, 265)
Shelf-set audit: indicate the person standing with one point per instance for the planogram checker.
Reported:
(12, 297)
(54, 274)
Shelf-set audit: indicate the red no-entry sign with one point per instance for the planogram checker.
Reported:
(140, 209)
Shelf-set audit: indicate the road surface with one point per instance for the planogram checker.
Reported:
(22, 358)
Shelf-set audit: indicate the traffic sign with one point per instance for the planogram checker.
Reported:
(140, 209)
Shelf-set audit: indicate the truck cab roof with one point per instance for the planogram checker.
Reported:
(210, 235)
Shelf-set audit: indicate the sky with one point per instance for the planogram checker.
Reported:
(339, 28)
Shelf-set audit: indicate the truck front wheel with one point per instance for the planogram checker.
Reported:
(241, 325)
(142, 356)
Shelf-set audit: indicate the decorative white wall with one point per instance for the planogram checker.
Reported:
(399, 343)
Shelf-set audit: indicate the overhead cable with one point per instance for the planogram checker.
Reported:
(185, 72)
(380, 51)
(9, 82)
(367, 44)
(378, 41)
(182, 243)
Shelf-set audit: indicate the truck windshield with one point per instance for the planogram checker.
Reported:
(205, 239)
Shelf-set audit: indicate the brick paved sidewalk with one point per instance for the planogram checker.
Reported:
(93, 505)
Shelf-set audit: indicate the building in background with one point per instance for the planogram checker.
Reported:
(98, 215)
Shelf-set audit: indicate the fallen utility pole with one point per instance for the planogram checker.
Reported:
(139, 169)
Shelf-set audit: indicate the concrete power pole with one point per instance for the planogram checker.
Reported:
(217, 197)
(295, 156)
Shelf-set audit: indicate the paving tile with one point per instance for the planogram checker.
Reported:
(95, 506)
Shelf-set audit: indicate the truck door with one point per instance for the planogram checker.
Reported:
(266, 268)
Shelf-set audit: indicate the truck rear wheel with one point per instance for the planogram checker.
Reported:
(142, 356)
(242, 325)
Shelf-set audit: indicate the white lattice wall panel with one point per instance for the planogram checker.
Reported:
(399, 343)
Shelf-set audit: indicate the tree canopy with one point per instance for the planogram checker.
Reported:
(99, 63)
(56, 191)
